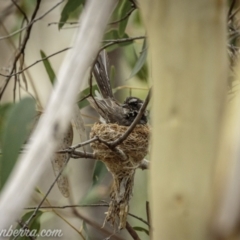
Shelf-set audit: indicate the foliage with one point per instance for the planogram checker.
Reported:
(17, 125)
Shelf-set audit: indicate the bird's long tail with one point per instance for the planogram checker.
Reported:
(101, 74)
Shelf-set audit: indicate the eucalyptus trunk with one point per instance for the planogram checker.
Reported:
(187, 41)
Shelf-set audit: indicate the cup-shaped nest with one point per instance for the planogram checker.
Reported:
(133, 149)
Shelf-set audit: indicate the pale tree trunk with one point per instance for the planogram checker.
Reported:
(187, 42)
(58, 113)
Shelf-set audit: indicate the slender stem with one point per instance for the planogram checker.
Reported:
(132, 232)
(44, 198)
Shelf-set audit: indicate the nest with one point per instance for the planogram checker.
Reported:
(122, 162)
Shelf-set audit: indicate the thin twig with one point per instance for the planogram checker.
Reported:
(120, 40)
(45, 196)
(22, 47)
(230, 11)
(70, 206)
(116, 41)
(6, 12)
(32, 22)
(134, 3)
(132, 232)
(85, 205)
(38, 61)
(67, 222)
(70, 23)
(123, 18)
(144, 165)
(95, 225)
(84, 143)
(234, 13)
(129, 87)
(78, 154)
(96, 205)
(21, 11)
(28, 74)
(14, 88)
(22, 225)
(109, 43)
(140, 219)
(148, 215)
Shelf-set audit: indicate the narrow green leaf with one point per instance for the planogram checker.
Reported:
(140, 61)
(115, 14)
(141, 229)
(99, 172)
(36, 189)
(83, 104)
(48, 67)
(3, 111)
(85, 230)
(33, 227)
(18, 125)
(137, 18)
(123, 11)
(70, 7)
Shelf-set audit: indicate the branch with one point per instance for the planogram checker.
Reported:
(109, 43)
(22, 47)
(38, 61)
(148, 213)
(138, 218)
(70, 206)
(21, 11)
(7, 11)
(123, 18)
(83, 154)
(121, 40)
(32, 22)
(44, 198)
(78, 154)
(96, 225)
(132, 232)
(84, 206)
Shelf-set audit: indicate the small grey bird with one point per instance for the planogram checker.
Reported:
(109, 109)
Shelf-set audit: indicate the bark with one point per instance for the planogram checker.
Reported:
(187, 42)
